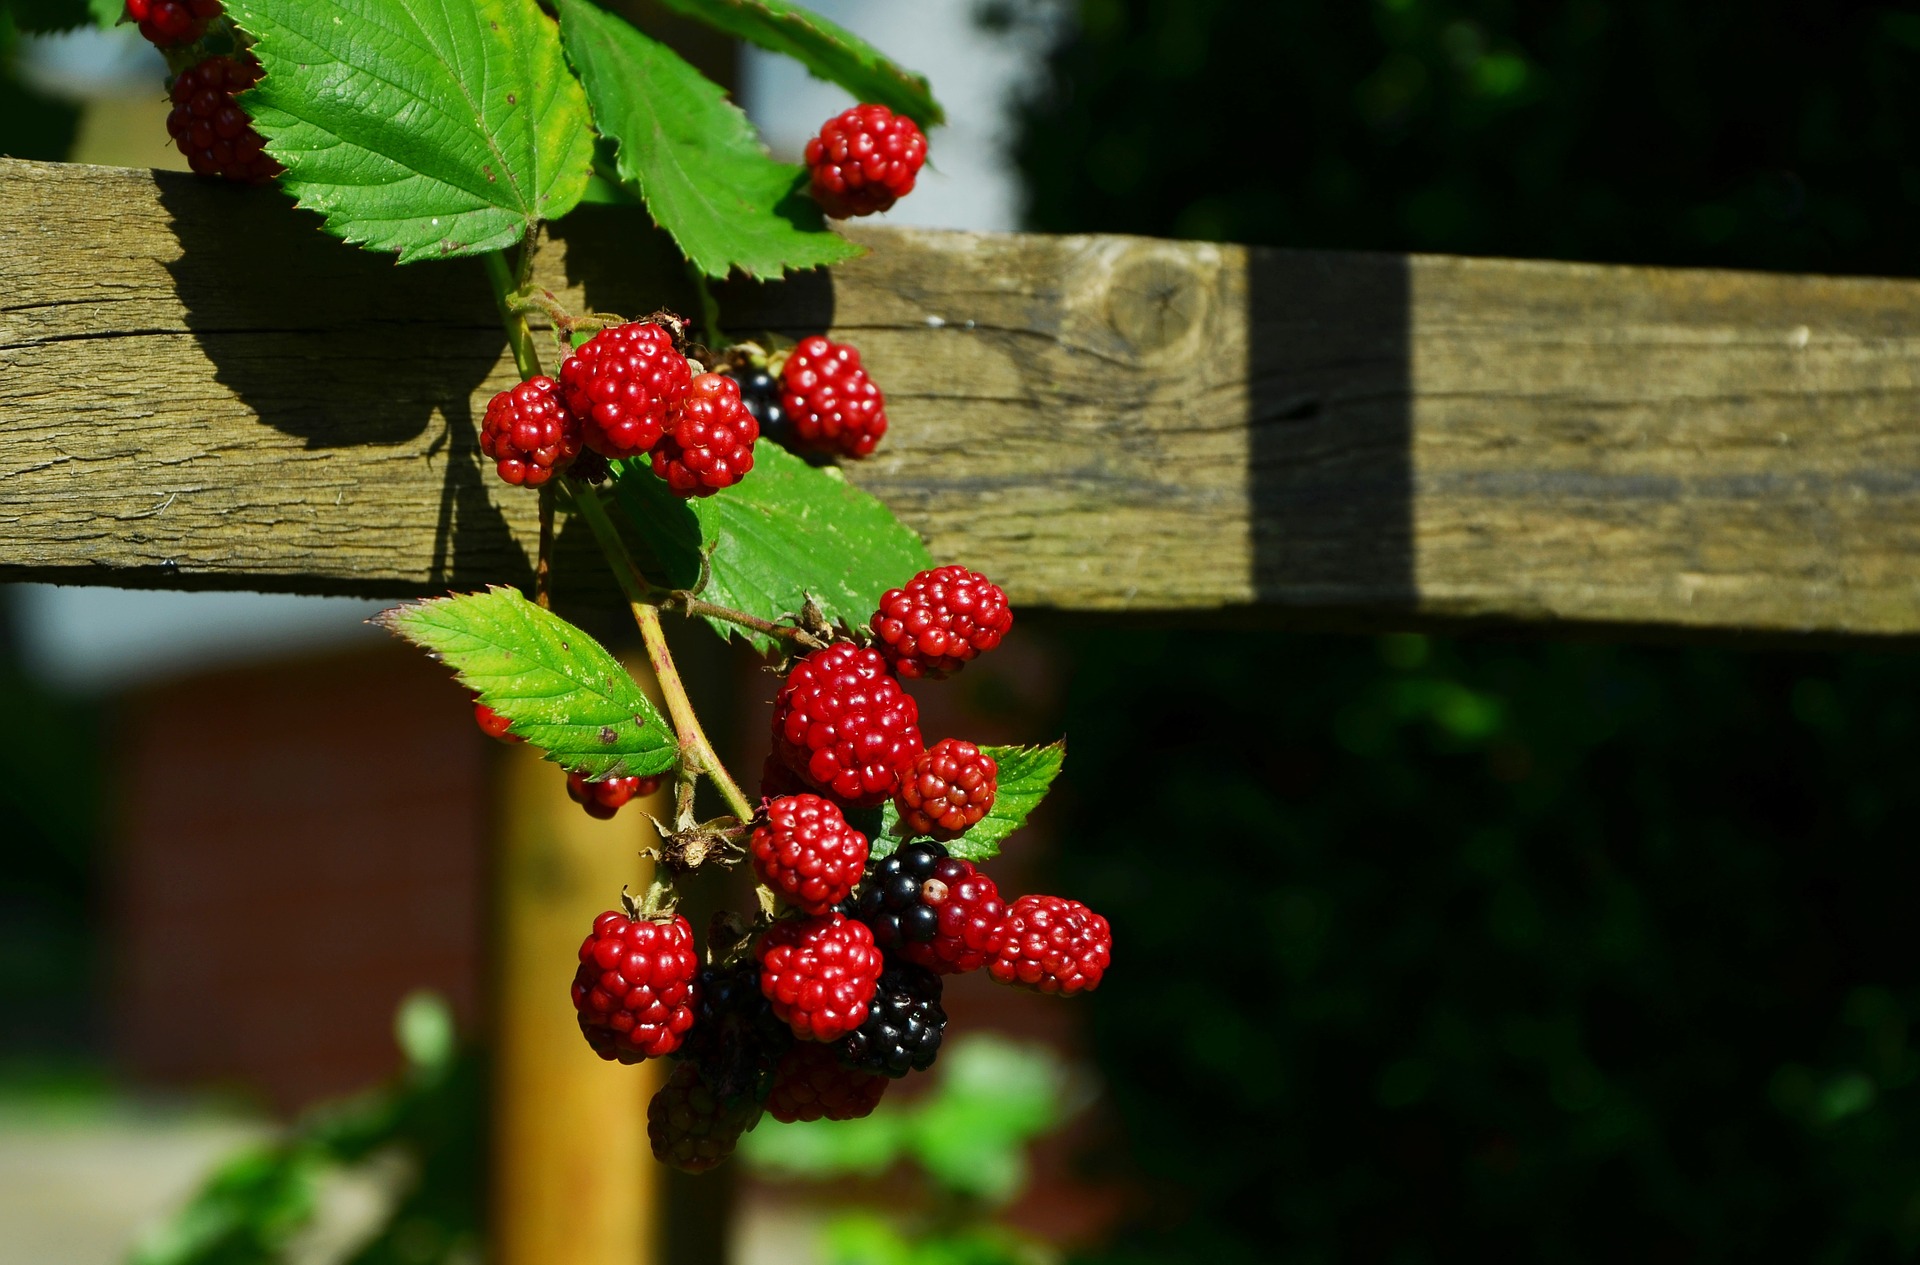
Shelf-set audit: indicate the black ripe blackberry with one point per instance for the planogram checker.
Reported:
(760, 392)
(904, 1024)
(735, 1041)
(889, 900)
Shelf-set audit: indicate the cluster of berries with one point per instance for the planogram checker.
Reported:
(626, 392)
(631, 390)
(602, 798)
(206, 123)
(817, 1012)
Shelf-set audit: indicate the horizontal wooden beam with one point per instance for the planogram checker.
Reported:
(198, 389)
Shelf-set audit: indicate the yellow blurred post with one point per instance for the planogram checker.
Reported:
(574, 1182)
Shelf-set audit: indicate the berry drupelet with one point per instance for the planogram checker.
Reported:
(948, 790)
(864, 160)
(939, 620)
(208, 125)
(708, 441)
(623, 383)
(830, 402)
(844, 724)
(635, 989)
(1051, 945)
(605, 797)
(904, 1026)
(807, 853)
(529, 432)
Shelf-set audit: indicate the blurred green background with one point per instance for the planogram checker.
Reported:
(1495, 949)
(1433, 949)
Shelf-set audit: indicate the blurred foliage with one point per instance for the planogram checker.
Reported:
(50, 801)
(1501, 950)
(1766, 134)
(33, 125)
(254, 1208)
(968, 1138)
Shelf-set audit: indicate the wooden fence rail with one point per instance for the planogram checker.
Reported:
(198, 389)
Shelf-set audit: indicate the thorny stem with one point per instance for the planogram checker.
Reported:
(696, 752)
(693, 606)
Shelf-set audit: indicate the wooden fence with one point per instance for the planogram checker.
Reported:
(199, 390)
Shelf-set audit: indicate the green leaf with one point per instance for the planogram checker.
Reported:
(561, 689)
(830, 52)
(426, 127)
(788, 530)
(1025, 775)
(693, 155)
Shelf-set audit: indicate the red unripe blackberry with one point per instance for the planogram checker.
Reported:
(812, 1083)
(805, 851)
(171, 23)
(635, 987)
(693, 1127)
(209, 127)
(947, 790)
(622, 383)
(842, 722)
(930, 908)
(1051, 945)
(530, 433)
(830, 402)
(819, 974)
(941, 619)
(904, 1025)
(708, 443)
(493, 724)
(864, 160)
(604, 798)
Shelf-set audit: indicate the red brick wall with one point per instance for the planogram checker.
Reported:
(299, 845)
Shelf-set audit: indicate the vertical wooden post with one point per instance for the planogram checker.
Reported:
(574, 1182)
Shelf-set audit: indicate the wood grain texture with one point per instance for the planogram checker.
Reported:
(198, 389)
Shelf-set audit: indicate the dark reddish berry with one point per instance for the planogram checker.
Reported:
(941, 619)
(530, 433)
(635, 987)
(708, 444)
(1052, 945)
(209, 127)
(622, 383)
(947, 790)
(603, 798)
(171, 23)
(842, 722)
(904, 1025)
(930, 908)
(864, 160)
(760, 392)
(807, 853)
(736, 1039)
(493, 724)
(819, 973)
(812, 1083)
(693, 1127)
(830, 401)
(776, 779)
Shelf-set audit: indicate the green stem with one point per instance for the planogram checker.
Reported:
(696, 752)
(518, 334)
(709, 309)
